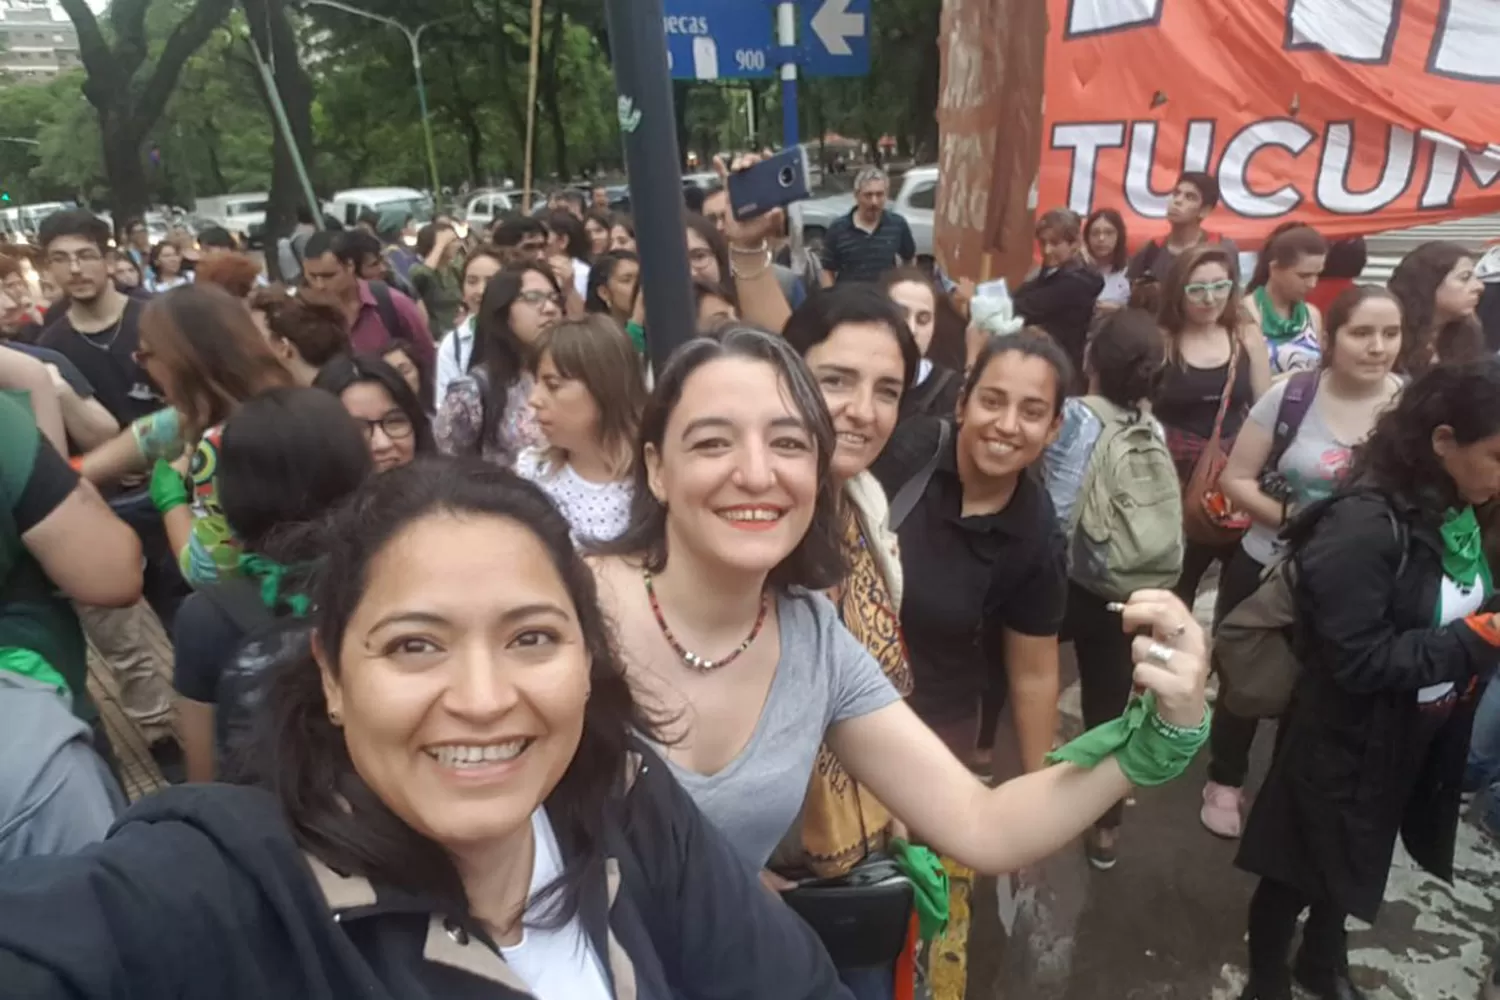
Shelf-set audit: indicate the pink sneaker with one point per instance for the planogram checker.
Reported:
(1221, 810)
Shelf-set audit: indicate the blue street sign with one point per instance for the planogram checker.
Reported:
(834, 37)
(720, 39)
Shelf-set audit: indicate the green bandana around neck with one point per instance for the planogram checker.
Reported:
(272, 575)
(1463, 549)
(1277, 329)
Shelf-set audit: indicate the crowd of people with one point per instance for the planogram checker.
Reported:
(545, 673)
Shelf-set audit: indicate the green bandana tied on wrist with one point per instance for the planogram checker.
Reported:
(271, 575)
(929, 882)
(1463, 549)
(1277, 329)
(637, 335)
(168, 491)
(1150, 750)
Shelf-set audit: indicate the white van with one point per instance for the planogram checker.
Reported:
(386, 202)
(241, 214)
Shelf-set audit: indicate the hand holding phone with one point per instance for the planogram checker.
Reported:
(774, 182)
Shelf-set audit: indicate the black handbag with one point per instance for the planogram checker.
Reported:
(862, 917)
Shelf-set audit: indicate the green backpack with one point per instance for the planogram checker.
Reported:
(1126, 530)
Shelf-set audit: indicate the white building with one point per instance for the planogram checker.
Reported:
(36, 41)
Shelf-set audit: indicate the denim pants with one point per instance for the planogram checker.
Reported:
(1483, 774)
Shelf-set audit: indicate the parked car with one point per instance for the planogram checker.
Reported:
(913, 196)
(387, 202)
(243, 215)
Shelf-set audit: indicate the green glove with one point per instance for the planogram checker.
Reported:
(167, 488)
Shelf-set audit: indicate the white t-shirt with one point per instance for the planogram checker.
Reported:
(557, 964)
(596, 511)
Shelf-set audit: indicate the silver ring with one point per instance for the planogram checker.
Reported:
(1177, 633)
(1159, 654)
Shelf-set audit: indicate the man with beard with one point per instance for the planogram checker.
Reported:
(99, 332)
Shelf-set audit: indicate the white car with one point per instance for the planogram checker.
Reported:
(386, 202)
(914, 196)
(242, 214)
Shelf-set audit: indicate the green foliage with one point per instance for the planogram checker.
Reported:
(215, 133)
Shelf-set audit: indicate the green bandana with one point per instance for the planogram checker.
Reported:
(271, 575)
(1463, 548)
(1149, 750)
(1277, 329)
(929, 881)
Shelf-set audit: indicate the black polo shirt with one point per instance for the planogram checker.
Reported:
(968, 579)
(852, 254)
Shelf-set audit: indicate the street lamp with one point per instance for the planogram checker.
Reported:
(414, 37)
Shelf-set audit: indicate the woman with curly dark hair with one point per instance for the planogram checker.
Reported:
(1392, 595)
(1439, 295)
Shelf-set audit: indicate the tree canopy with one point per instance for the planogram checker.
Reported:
(170, 106)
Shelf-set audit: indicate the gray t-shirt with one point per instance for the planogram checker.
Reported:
(824, 676)
(1313, 464)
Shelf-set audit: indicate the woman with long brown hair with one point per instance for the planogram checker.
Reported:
(199, 344)
(588, 396)
(1211, 352)
(1438, 292)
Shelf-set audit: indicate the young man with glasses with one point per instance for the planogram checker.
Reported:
(100, 331)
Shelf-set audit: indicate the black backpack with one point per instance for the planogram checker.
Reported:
(266, 639)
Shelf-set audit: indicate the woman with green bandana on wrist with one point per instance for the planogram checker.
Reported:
(1396, 638)
(201, 346)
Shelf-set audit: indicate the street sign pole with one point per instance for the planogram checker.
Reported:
(649, 131)
(786, 39)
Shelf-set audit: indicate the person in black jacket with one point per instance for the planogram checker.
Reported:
(453, 803)
(1393, 595)
(1060, 296)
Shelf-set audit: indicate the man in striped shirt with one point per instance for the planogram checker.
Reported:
(869, 241)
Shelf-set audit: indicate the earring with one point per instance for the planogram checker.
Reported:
(335, 718)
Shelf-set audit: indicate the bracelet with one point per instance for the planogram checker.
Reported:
(765, 265)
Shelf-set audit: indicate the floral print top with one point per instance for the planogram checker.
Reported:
(212, 548)
(460, 420)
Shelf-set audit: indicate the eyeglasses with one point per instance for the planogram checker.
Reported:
(395, 424)
(536, 298)
(80, 258)
(1208, 291)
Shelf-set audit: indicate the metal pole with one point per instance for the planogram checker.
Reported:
(278, 110)
(534, 68)
(786, 38)
(754, 142)
(649, 131)
(415, 37)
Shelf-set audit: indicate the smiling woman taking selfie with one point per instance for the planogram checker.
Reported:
(715, 592)
(452, 777)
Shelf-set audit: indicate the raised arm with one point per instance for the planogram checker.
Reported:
(1007, 827)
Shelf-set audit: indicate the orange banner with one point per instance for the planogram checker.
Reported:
(1351, 115)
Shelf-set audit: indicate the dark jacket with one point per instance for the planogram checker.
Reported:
(1061, 301)
(201, 892)
(1358, 760)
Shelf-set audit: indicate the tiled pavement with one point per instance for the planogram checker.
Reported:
(138, 770)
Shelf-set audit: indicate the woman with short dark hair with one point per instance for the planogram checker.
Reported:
(285, 458)
(453, 802)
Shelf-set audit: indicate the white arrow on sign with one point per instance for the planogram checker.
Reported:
(834, 25)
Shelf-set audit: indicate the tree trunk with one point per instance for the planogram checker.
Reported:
(271, 33)
(463, 112)
(122, 165)
(549, 94)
